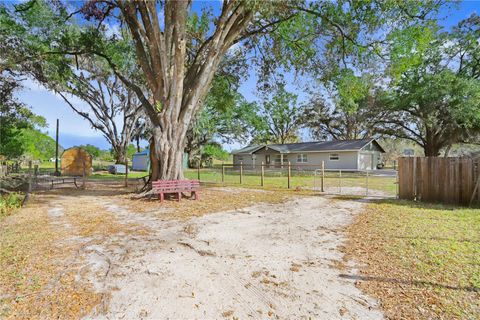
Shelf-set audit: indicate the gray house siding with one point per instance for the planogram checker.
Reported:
(347, 160)
(338, 155)
(246, 159)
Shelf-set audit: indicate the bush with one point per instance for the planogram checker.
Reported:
(9, 202)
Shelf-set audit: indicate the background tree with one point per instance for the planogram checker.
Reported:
(37, 145)
(15, 118)
(347, 110)
(433, 101)
(220, 123)
(112, 108)
(433, 110)
(464, 50)
(213, 151)
(225, 116)
(279, 118)
(395, 147)
(326, 122)
(91, 149)
(179, 54)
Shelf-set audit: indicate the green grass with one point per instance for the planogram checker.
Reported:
(47, 165)
(106, 175)
(431, 252)
(50, 166)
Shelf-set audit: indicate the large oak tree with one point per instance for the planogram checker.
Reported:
(85, 82)
(347, 109)
(179, 56)
(179, 50)
(278, 120)
(177, 80)
(434, 97)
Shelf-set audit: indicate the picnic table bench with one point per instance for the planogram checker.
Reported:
(161, 187)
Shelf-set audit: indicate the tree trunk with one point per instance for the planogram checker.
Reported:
(193, 158)
(431, 149)
(137, 138)
(120, 154)
(447, 151)
(166, 155)
(176, 87)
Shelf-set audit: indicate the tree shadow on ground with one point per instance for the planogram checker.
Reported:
(434, 238)
(409, 282)
(405, 203)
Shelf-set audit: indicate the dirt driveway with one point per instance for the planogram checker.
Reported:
(265, 261)
(99, 254)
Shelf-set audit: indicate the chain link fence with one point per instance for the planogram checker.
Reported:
(381, 182)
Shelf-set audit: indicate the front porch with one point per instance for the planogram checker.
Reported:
(274, 159)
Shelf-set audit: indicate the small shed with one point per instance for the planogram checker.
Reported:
(141, 160)
(74, 160)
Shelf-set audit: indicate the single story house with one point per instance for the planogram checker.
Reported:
(354, 155)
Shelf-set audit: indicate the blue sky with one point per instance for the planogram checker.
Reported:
(74, 130)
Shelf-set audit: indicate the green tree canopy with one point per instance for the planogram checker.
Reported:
(279, 118)
(347, 109)
(434, 110)
(16, 119)
(91, 149)
(434, 97)
(179, 50)
(38, 145)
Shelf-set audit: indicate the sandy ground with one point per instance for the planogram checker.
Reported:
(266, 261)
(269, 261)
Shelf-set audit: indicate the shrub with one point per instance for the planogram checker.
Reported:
(9, 202)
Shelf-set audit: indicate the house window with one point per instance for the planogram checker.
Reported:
(239, 158)
(334, 156)
(302, 158)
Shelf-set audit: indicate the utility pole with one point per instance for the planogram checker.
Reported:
(57, 173)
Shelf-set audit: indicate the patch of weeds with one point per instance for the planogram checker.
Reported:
(9, 202)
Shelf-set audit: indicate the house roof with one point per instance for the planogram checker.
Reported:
(141, 153)
(335, 145)
(248, 150)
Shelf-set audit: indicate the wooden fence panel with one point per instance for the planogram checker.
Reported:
(444, 180)
(405, 180)
(476, 175)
